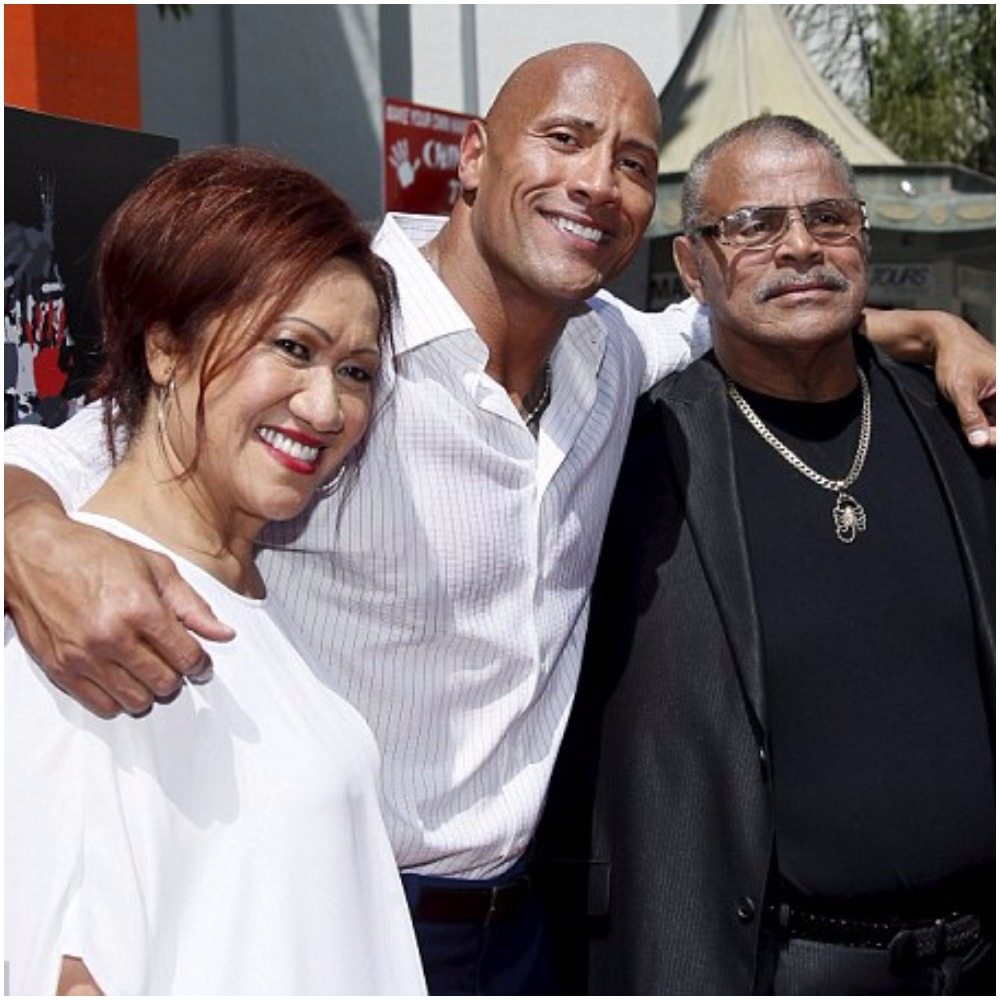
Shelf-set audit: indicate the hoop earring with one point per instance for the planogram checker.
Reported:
(163, 394)
(331, 486)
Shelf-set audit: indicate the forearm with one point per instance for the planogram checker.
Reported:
(916, 335)
(964, 361)
(22, 487)
(31, 510)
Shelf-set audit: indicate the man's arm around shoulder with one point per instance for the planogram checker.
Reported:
(108, 621)
(964, 362)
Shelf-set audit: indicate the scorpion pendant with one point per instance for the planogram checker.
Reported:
(849, 517)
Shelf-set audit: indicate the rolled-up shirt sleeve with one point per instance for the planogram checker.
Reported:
(72, 458)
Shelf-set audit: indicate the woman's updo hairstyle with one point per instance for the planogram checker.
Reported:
(219, 234)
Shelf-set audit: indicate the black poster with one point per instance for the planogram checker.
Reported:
(62, 180)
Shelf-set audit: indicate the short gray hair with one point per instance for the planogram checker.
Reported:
(786, 127)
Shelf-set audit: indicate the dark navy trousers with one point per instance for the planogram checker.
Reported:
(501, 957)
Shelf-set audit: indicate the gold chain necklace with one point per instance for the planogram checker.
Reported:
(849, 518)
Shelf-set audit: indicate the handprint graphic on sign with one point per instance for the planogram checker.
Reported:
(422, 152)
(399, 157)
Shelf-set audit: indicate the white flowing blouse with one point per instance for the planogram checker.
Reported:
(230, 842)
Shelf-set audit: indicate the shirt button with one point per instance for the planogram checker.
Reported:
(746, 909)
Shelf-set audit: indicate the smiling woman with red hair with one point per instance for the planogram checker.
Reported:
(232, 842)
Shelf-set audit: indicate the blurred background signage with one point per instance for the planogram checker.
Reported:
(420, 162)
(62, 181)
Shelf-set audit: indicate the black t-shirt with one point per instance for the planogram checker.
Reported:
(879, 733)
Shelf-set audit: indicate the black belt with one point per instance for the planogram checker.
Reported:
(484, 905)
(934, 937)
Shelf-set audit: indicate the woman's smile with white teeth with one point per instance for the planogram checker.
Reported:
(303, 452)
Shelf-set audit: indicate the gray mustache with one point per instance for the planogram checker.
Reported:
(829, 280)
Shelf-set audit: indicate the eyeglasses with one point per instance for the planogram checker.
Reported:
(833, 220)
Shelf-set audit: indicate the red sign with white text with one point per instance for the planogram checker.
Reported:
(421, 157)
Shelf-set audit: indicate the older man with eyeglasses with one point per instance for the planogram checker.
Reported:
(778, 776)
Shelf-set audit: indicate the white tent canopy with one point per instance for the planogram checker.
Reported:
(934, 224)
(744, 60)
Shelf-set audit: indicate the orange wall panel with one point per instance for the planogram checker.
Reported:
(86, 61)
(20, 69)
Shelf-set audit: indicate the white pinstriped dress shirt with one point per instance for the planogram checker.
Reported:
(446, 591)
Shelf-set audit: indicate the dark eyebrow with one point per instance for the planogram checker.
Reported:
(644, 147)
(298, 319)
(589, 125)
(327, 336)
(571, 121)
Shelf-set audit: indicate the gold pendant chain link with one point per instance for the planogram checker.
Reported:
(848, 515)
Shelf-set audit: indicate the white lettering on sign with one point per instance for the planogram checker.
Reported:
(440, 155)
(394, 113)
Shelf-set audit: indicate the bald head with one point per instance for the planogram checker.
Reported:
(558, 181)
(537, 78)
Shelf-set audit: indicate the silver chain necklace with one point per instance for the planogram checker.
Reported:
(849, 516)
(533, 415)
(543, 400)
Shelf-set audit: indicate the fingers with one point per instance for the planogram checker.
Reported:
(107, 620)
(965, 369)
(107, 689)
(143, 679)
(117, 671)
(192, 610)
(977, 417)
(95, 699)
(171, 651)
(978, 432)
(146, 649)
(160, 651)
(137, 629)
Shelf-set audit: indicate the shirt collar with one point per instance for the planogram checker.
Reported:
(428, 309)
(583, 340)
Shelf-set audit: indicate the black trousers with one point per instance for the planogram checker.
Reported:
(800, 967)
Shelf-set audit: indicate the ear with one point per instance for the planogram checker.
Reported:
(162, 354)
(689, 266)
(471, 153)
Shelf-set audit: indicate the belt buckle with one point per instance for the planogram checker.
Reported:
(504, 899)
(933, 941)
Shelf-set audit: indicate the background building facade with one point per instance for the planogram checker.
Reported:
(309, 82)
